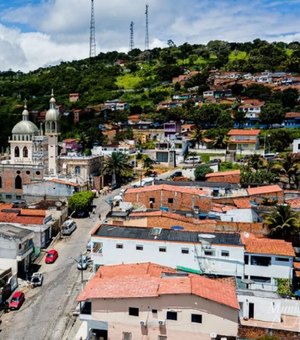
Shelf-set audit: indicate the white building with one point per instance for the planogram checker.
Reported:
(296, 145)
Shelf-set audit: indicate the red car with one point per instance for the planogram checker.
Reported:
(17, 300)
(51, 256)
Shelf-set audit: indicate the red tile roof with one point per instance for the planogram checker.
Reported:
(166, 187)
(258, 245)
(241, 132)
(60, 181)
(292, 115)
(294, 202)
(267, 189)
(22, 216)
(147, 280)
(223, 173)
(242, 203)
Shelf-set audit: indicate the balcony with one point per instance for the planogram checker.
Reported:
(26, 249)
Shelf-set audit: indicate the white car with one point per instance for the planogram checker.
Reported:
(36, 279)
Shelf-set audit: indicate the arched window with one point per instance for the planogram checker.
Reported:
(17, 151)
(18, 182)
(0, 182)
(77, 170)
(25, 152)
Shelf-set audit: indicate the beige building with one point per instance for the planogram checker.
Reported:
(149, 301)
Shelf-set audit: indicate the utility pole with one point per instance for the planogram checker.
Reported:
(92, 32)
(131, 44)
(147, 29)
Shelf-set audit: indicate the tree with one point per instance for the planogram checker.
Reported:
(282, 222)
(201, 171)
(272, 113)
(80, 201)
(279, 139)
(117, 166)
(290, 166)
(197, 136)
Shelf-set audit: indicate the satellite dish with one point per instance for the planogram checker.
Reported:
(58, 204)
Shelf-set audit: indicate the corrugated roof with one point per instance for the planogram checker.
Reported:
(223, 173)
(267, 189)
(166, 187)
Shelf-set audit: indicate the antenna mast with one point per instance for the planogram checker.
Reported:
(147, 30)
(131, 44)
(92, 32)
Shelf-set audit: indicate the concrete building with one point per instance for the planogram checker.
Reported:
(148, 301)
(243, 141)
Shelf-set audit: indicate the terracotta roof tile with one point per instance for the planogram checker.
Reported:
(140, 280)
(292, 115)
(242, 203)
(258, 245)
(223, 173)
(294, 202)
(297, 265)
(60, 181)
(267, 189)
(241, 132)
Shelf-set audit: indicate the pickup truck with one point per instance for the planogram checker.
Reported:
(36, 279)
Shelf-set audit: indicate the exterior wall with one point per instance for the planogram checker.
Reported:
(238, 215)
(21, 145)
(277, 269)
(9, 172)
(215, 317)
(48, 189)
(9, 263)
(278, 196)
(296, 145)
(53, 153)
(181, 201)
(196, 259)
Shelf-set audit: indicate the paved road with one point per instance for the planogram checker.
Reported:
(47, 309)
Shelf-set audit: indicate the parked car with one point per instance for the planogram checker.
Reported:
(68, 227)
(51, 256)
(82, 262)
(36, 279)
(17, 300)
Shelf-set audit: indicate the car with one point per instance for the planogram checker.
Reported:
(68, 227)
(82, 262)
(51, 256)
(17, 300)
(36, 279)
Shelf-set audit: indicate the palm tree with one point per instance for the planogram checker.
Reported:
(290, 166)
(197, 136)
(117, 166)
(283, 222)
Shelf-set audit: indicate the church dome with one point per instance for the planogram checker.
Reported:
(25, 126)
(52, 114)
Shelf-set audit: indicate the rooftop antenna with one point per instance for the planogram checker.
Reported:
(147, 29)
(92, 32)
(131, 44)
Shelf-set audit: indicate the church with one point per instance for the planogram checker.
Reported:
(33, 154)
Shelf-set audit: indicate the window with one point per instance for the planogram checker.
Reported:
(119, 246)
(154, 311)
(8, 197)
(209, 252)
(20, 246)
(225, 253)
(25, 152)
(17, 151)
(246, 259)
(170, 200)
(282, 259)
(152, 200)
(185, 250)
(77, 170)
(133, 311)
(171, 315)
(127, 336)
(0, 182)
(162, 337)
(37, 173)
(260, 279)
(28, 172)
(18, 182)
(163, 249)
(264, 261)
(196, 318)
(139, 247)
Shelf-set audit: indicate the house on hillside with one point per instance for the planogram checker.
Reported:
(146, 300)
(292, 120)
(243, 141)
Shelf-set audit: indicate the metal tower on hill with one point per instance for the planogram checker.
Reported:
(131, 43)
(92, 32)
(147, 30)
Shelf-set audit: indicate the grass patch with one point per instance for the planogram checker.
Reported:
(128, 81)
(238, 55)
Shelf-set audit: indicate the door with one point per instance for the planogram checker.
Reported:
(251, 310)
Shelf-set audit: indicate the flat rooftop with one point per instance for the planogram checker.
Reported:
(160, 234)
(11, 231)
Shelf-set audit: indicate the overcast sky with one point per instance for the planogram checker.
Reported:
(39, 33)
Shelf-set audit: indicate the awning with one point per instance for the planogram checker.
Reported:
(189, 270)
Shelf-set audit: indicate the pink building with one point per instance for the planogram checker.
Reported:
(149, 301)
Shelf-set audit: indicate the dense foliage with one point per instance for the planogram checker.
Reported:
(80, 201)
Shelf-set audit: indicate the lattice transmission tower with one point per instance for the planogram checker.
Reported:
(92, 32)
(147, 29)
(131, 42)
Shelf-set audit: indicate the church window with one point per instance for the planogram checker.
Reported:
(17, 151)
(18, 182)
(77, 170)
(25, 152)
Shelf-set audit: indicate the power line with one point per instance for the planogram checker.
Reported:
(147, 29)
(92, 32)
(131, 44)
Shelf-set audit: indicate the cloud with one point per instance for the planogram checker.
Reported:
(48, 31)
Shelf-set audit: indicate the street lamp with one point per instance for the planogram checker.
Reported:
(81, 264)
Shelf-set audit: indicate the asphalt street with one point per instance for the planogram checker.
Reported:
(48, 310)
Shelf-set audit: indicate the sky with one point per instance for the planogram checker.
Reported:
(40, 33)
